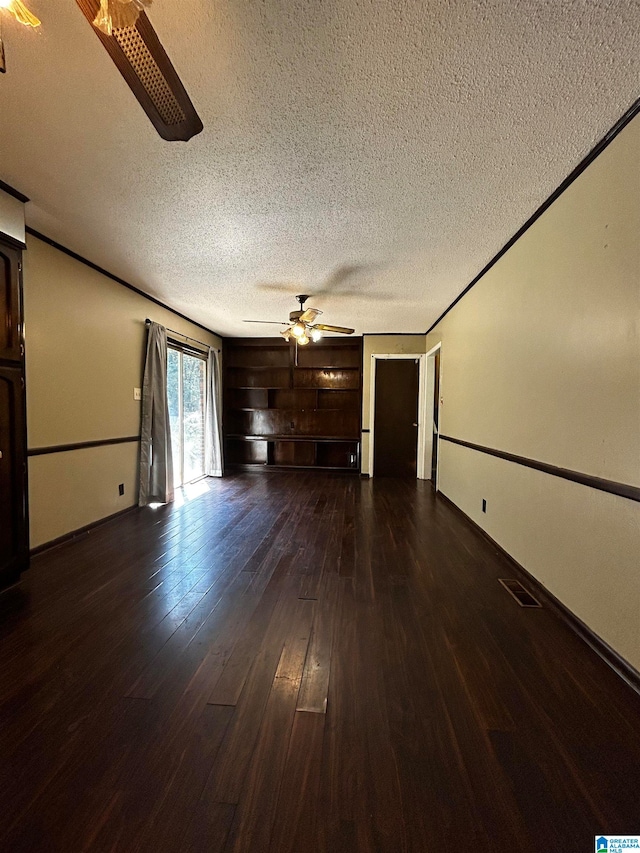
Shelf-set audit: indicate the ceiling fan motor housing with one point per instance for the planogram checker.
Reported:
(295, 315)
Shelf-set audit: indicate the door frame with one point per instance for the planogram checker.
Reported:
(421, 358)
(430, 362)
(182, 351)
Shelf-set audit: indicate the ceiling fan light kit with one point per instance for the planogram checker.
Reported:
(22, 15)
(118, 14)
(20, 12)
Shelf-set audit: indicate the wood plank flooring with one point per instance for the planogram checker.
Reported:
(301, 662)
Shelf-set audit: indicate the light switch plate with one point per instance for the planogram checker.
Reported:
(137, 393)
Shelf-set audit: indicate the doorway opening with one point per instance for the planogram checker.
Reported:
(186, 383)
(432, 415)
(397, 422)
(396, 418)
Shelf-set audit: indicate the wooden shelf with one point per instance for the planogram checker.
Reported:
(254, 367)
(266, 466)
(281, 415)
(293, 437)
(267, 409)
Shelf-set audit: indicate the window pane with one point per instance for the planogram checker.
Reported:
(173, 394)
(193, 377)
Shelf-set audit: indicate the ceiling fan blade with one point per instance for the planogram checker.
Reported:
(279, 288)
(343, 330)
(342, 274)
(268, 322)
(309, 315)
(357, 294)
(143, 62)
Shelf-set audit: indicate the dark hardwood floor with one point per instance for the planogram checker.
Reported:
(301, 662)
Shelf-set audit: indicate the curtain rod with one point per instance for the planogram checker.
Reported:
(148, 322)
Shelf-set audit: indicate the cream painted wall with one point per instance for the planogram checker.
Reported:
(11, 216)
(580, 543)
(381, 345)
(85, 344)
(542, 359)
(69, 490)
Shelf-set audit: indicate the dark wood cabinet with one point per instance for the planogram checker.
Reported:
(284, 411)
(14, 539)
(10, 303)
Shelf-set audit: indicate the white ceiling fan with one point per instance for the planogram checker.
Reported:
(302, 326)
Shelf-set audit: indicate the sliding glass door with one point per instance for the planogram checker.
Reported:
(186, 376)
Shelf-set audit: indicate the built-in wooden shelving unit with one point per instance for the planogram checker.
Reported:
(279, 414)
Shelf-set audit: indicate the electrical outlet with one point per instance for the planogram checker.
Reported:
(121, 489)
(484, 505)
(137, 393)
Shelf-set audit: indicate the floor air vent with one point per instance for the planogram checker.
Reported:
(521, 595)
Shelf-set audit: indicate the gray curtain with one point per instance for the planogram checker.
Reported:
(156, 462)
(213, 418)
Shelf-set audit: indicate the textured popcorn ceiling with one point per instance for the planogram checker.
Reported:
(379, 151)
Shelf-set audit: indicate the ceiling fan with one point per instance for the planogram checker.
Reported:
(302, 327)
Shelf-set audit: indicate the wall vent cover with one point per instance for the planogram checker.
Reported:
(517, 591)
